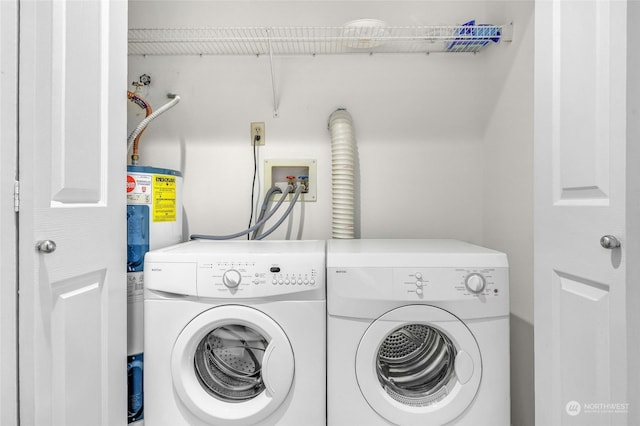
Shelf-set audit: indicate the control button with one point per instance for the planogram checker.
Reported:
(280, 282)
(419, 291)
(231, 278)
(312, 282)
(274, 282)
(286, 282)
(475, 283)
(299, 282)
(418, 283)
(418, 276)
(306, 282)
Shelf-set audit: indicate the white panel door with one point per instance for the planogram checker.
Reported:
(580, 142)
(72, 129)
(8, 231)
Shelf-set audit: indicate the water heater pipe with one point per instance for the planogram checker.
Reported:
(343, 174)
(148, 111)
(141, 126)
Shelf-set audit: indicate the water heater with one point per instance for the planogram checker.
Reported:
(154, 220)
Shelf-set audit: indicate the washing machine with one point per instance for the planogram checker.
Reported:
(235, 333)
(418, 333)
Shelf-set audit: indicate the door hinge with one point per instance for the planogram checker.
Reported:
(16, 196)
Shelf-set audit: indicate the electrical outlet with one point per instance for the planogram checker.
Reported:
(257, 133)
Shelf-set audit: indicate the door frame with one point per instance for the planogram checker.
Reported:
(8, 216)
(633, 208)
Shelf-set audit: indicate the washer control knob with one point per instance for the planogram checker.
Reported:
(475, 283)
(231, 278)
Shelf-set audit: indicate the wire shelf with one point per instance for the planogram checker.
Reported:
(312, 40)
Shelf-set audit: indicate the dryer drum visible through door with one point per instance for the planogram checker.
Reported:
(415, 363)
(421, 357)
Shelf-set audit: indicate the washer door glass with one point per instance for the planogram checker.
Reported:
(416, 364)
(228, 362)
(232, 364)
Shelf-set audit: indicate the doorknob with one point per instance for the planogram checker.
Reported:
(609, 242)
(46, 246)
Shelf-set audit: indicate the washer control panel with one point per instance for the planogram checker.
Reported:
(238, 269)
(259, 278)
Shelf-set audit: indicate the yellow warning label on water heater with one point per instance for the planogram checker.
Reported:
(164, 198)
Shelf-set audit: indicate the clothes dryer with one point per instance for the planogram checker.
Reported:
(418, 333)
(235, 333)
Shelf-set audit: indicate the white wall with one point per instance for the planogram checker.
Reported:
(444, 141)
(420, 168)
(508, 193)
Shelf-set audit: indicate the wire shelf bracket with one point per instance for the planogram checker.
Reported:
(273, 78)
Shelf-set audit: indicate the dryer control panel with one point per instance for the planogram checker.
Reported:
(461, 283)
(472, 291)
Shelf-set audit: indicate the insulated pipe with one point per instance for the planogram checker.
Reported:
(343, 174)
(174, 100)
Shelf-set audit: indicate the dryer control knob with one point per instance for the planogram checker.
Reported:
(475, 283)
(231, 278)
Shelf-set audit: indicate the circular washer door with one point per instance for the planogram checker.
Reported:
(418, 364)
(232, 364)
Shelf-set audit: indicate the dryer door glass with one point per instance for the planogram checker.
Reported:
(416, 365)
(228, 363)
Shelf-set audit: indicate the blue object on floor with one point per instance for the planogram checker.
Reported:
(134, 375)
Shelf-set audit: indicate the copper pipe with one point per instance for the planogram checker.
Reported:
(142, 103)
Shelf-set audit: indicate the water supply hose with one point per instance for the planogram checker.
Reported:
(144, 105)
(141, 126)
(265, 205)
(266, 233)
(343, 175)
(257, 225)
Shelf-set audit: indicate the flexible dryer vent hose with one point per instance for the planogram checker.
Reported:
(343, 174)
